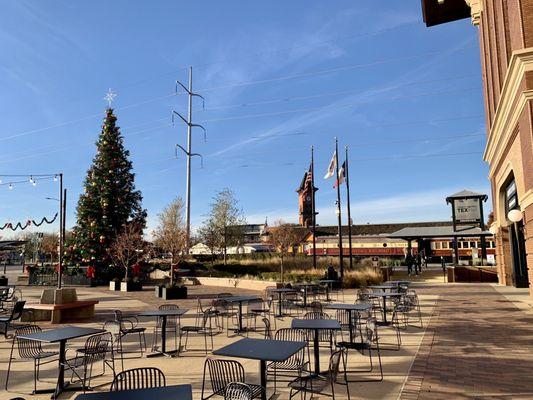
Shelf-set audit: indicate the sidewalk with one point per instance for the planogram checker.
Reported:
(479, 344)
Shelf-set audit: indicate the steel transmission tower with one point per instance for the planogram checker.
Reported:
(188, 152)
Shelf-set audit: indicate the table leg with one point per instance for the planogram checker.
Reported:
(61, 373)
(327, 293)
(240, 316)
(263, 375)
(305, 296)
(317, 353)
(384, 309)
(164, 334)
(350, 325)
(280, 312)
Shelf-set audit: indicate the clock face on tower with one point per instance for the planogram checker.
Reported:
(308, 198)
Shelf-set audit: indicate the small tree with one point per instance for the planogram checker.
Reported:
(49, 245)
(128, 247)
(283, 237)
(226, 221)
(170, 235)
(207, 235)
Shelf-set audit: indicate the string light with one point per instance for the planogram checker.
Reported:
(33, 179)
(10, 186)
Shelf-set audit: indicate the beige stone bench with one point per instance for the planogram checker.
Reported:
(57, 313)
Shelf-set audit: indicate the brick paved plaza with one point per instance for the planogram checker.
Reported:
(472, 332)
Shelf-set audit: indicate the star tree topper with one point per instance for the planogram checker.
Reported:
(109, 97)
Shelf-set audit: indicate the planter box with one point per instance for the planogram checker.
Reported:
(131, 286)
(3, 281)
(179, 292)
(159, 291)
(114, 285)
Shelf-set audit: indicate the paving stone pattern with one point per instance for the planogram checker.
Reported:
(478, 345)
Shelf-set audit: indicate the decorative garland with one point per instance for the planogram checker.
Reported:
(20, 226)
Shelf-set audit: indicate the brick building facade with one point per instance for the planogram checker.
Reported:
(506, 46)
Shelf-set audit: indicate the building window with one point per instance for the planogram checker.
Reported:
(437, 245)
(511, 197)
(445, 245)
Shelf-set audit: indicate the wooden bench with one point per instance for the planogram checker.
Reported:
(57, 313)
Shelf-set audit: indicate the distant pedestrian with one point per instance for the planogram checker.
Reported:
(409, 263)
(418, 263)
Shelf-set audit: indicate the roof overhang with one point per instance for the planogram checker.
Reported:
(437, 232)
(437, 12)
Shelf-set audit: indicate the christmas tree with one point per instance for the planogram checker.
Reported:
(109, 202)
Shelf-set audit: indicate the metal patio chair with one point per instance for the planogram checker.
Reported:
(98, 348)
(370, 344)
(172, 325)
(202, 328)
(319, 383)
(29, 350)
(220, 373)
(138, 378)
(324, 335)
(295, 365)
(130, 326)
(6, 322)
(238, 391)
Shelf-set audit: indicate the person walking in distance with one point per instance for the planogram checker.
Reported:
(418, 263)
(409, 263)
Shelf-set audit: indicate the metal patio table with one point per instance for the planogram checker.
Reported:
(175, 392)
(384, 295)
(280, 292)
(240, 300)
(350, 308)
(263, 350)
(61, 336)
(316, 325)
(383, 287)
(164, 314)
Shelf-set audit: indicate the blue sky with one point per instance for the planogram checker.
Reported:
(277, 76)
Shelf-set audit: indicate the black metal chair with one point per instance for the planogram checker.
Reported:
(9, 296)
(130, 326)
(255, 309)
(238, 391)
(268, 329)
(316, 306)
(173, 325)
(319, 383)
(296, 364)
(325, 336)
(138, 378)
(370, 343)
(29, 350)
(202, 327)
(98, 348)
(6, 322)
(221, 374)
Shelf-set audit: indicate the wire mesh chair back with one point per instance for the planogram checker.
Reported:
(113, 327)
(324, 335)
(28, 348)
(17, 310)
(238, 391)
(292, 335)
(363, 295)
(172, 321)
(316, 315)
(343, 316)
(97, 347)
(371, 331)
(138, 378)
(268, 328)
(222, 373)
(224, 294)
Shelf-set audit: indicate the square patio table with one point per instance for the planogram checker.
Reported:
(305, 287)
(281, 292)
(164, 314)
(263, 350)
(240, 300)
(175, 392)
(350, 308)
(329, 286)
(316, 325)
(61, 336)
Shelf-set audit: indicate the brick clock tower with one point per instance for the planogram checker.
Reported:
(305, 201)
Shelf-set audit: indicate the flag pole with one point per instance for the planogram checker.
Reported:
(313, 204)
(348, 205)
(341, 266)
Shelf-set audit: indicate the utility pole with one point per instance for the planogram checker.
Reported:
(61, 233)
(188, 152)
(313, 209)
